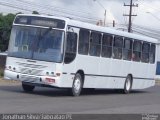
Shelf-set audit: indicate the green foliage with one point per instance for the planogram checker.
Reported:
(5, 29)
(35, 12)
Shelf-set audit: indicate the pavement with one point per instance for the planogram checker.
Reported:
(48, 100)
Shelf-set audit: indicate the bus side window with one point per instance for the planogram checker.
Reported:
(127, 49)
(152, 54)
(117, 47)
(145, 52)
(107, 46)
(83, 47)
(71, 47)
(137, 46)
(95, 44)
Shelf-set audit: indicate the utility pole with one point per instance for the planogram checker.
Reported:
(130, 15)
(114, 23)
(105, 11)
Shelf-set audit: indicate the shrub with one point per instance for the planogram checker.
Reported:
(1, 73)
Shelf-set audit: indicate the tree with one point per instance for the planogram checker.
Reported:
(5, 29)
(35, 12)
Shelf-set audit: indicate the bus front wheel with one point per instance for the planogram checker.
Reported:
(128, 84)
(27, 88)
(77, 85)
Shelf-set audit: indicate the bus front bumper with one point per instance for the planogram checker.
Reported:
(32, 79)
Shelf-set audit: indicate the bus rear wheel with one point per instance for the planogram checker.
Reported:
(27, 88)
(128, 84)
(77, 85)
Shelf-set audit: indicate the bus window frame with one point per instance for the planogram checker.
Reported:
(114, 47)
(106, 45)
(136, 51)
(78, 50)
(114, 35)
(95, 43)
(65, 49)
(143, 52)
(128, 49)
(154, 55)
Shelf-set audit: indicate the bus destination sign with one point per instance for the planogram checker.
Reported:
(40, 21)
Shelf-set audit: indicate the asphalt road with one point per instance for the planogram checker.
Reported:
(48, 100)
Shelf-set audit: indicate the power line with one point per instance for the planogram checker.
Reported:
(150, 6)
(147, 32)
(62, 10)
(53, 7)
(148, 29)
(142, 30)
(16, 7)
(125, 19)
(88, 19)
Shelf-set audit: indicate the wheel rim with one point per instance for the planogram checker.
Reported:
(77, 85)
(128, 84)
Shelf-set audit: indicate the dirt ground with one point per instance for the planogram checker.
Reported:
(157, 82)
(8, 82)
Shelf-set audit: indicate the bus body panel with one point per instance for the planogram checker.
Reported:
(99, 72)
(112, 73)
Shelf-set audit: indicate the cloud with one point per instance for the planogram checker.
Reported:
(92, 11)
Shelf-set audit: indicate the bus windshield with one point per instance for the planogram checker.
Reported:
(44, 44)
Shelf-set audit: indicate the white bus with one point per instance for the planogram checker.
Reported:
(63, 53)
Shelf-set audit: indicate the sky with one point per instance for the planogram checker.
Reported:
(90, 10)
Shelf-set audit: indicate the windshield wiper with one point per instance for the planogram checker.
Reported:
(45, 33)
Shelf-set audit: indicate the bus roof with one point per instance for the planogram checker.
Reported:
(46, 16)
(111, 31)
(89, 26)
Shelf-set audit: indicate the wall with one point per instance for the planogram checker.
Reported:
(158, 64)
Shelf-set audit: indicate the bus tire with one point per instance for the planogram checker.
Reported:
(128, 84)
(27, 88)
(77, 85)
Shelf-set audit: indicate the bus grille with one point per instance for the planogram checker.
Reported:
(30, 71)
(29, 78)
(31, 65)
